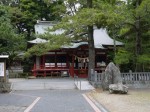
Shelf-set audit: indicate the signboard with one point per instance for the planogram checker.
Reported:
(1, 69)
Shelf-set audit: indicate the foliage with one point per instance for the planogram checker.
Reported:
(7, 2)
(122, 56)
(135, 29)
(25, 14)
(10, 41)
(30, 14)
(129, 21)
(81, 17)
(97, 16)
(144, 58)
(54, 42)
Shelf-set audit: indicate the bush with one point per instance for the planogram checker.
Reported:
(23, 75)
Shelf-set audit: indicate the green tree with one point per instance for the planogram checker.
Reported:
(94, 14)
(91, 64)
(135, 29)
(25, 13)
(10, 41)
(82, 20)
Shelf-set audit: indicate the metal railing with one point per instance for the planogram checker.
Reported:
(77, 82)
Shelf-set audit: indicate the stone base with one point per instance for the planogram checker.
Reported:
(5, 87)
(118, 88)
(31, 77)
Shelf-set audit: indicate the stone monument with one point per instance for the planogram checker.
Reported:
(112, 80)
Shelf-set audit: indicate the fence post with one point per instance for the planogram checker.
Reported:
(130, 73)
(95, 76)
(80, 84)
(92, 73)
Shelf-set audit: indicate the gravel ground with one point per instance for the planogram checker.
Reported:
(11, 109)
(137, 100)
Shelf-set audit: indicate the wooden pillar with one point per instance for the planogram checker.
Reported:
(67, 62)
(72, 67)
(43, 61)
(55, 59)
(44, 73)
(44, 65)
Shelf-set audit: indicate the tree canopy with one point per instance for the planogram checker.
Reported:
(135, 33)
(11, 42)
(82, 20)
(10, 39)
(127, 21)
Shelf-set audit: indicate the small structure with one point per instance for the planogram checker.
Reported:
(4, 84)
(73, 58)
(16, 65)
(3, 74)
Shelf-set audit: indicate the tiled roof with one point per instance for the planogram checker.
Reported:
(76, 45)
(101, 36)
(4, 56)
(37, 41)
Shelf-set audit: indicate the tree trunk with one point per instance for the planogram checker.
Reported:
(28, 34)
(89, 3)
(91, 64)
(138, 39)
(138, 32)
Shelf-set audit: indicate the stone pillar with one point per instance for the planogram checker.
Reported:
(92, 75)
(130, 72)
(95, 76)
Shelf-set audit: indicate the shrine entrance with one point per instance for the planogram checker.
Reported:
(68, 62)
(81, 66)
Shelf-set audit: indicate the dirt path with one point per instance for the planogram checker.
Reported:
(137, 100)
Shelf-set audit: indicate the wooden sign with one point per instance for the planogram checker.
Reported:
(1, 69)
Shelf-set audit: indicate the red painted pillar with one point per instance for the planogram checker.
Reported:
(55, 59)
(43, 61)
(67, 62)
(72, 67)
(44, 73)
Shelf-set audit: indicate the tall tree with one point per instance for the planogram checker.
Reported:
(25, 14)
(136, 31)
(91, 64)
(82, 19)
(10, 41)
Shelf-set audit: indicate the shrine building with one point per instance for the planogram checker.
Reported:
(72, 59)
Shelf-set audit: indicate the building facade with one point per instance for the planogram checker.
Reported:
(73, 59)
